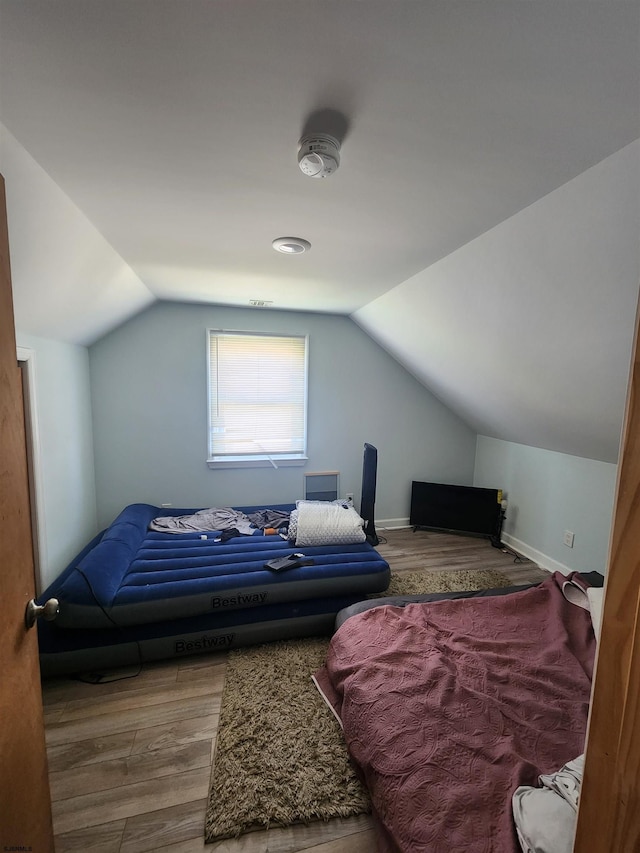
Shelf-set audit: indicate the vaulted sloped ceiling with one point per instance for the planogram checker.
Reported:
(479, 223)
(526, 332)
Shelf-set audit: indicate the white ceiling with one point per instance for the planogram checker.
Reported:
(173, 125)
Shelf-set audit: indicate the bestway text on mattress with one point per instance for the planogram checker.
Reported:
(207, 641)
(240, 600)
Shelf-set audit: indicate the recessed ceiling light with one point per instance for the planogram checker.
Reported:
(291, 245)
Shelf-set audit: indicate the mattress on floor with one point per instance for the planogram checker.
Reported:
(64, 651)
(129, 575)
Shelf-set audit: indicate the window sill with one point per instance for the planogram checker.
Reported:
(257, 462)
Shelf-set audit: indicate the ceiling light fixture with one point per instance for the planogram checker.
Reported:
(291, 245)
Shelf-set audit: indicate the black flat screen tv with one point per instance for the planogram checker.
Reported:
(461, 509)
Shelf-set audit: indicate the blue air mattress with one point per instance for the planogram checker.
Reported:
(158, 594)
(66, 650)
(132, 576)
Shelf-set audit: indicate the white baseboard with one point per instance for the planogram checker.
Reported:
(391, 523)
(542, 560)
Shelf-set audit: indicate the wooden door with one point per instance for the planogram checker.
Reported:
(609, 812)
(25, 807)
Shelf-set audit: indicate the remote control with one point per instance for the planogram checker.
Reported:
(293, 561)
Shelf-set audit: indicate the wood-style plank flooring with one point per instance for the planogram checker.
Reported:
(130, 761)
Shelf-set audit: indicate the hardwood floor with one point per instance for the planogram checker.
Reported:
(130, 761)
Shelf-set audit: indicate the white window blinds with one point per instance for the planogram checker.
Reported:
(257, 396)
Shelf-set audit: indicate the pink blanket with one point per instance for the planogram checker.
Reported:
(448, 707)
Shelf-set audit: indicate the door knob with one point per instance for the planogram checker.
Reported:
(49, 610)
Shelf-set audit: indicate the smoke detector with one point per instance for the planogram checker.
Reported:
(318, 155)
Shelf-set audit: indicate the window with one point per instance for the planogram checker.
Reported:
(257, 399)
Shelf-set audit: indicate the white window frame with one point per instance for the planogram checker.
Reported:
(275, 460)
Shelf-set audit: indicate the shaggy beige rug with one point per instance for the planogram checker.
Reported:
(419, 583)
(280, 756)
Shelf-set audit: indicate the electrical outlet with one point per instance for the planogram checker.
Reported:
(568, 538)
(350, 497)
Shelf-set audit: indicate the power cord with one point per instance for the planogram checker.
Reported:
(495, 539)
(496, 543)
(516, 557)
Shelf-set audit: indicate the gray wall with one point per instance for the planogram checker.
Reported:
(53, 248)
(148, 385)
(549, 493)
(65, 453)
